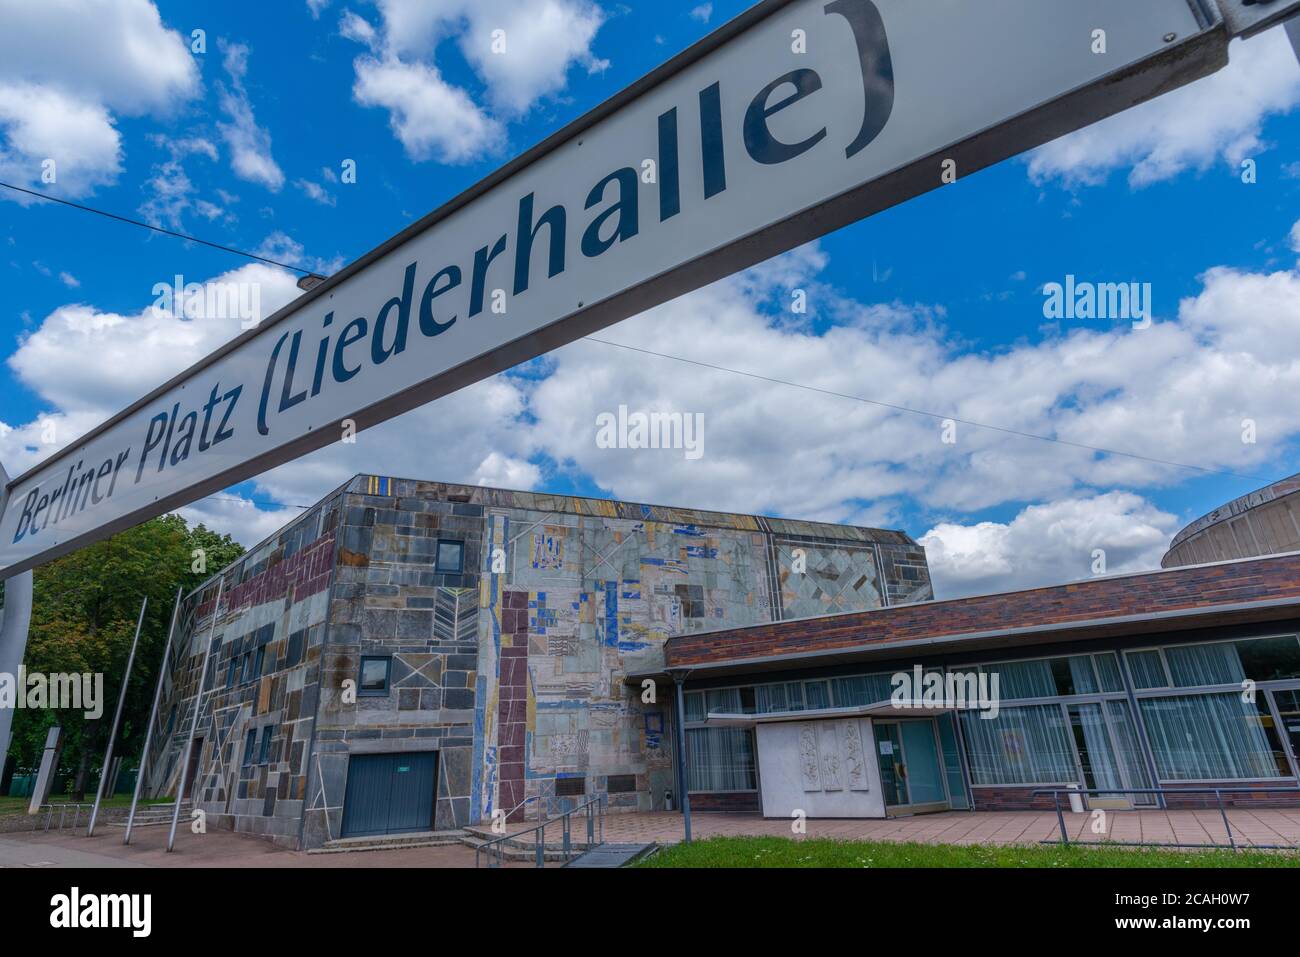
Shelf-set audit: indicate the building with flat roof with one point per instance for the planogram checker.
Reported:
(408, 656)
(1177, 681)
(1264, 522)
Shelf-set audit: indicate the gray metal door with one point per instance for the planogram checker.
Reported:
(390, 793)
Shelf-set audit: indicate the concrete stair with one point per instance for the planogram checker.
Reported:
(524, 848)
(390, 842)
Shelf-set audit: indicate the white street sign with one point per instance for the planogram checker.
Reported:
(797, 118)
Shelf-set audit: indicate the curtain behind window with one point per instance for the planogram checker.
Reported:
(720, 759)
(1208, 737)
(1026, 745)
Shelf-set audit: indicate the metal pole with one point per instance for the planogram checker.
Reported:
(679, 680)
(1060, 818)
(13, 627)
(107, 767)
(194, 718)
(1218, 796)
(153, 716)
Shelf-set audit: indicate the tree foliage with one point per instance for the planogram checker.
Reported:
(84, 612)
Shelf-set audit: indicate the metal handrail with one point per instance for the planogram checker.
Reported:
(595, 813)
(1218, 797)
(63, 810)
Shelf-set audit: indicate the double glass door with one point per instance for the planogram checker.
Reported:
(911, 773)
(1108, 753)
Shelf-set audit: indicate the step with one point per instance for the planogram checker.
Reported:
(389, 842)
(512, 851)
(528, 839)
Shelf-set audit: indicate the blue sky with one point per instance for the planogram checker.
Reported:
(935, 305)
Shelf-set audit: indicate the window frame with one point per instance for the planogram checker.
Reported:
(362, 691)
(437, 556)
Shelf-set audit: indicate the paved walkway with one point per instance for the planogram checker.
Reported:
(224, 849)
(1249, 827)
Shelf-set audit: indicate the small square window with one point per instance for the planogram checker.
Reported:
(374, 676)
(264, 754)
(451, 557)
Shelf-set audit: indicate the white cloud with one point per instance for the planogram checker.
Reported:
(240, 518)
(431, 118)
(316, 6)
(250, 144)
(172, 193)
(1177, 391)
(69, 280)
(1047, 544)
(92, 363)
(1218, 119)
(41, 125)
(66, 68)
(702, 13)
(316, 192)
(282, 247)
(1295, 237)
(522, 50)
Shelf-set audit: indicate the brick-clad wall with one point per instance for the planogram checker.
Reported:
(1014, 799)
(273, 608)
(1246, 799)
(389, 600)
(1021, 799)
(1197, 587)
(737, 802)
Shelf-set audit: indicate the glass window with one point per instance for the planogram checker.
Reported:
(1147, 669)
(258, 659)
(374, 676)
(232, 671)
(817, 694)
(1023, 679)
(1074, 675)
(1025, 745)
(720, 759)
(1270, 659)
(695, 706)
(861, 689)
(1108, 672)
(250, 745)
(772, 698)
(451, 557)
(723, 701)
(1209, 664)
(265, 754)
(1213, 737)
(794, 696)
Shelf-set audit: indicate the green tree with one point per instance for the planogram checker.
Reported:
(84, 612)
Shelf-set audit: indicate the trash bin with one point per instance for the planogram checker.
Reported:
(1076, 799)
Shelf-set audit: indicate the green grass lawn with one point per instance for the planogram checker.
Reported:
(18, 805)
(821, 852)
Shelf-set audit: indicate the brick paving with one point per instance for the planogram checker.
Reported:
(1249, 827)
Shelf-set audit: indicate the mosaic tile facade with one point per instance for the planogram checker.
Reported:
(509, 663)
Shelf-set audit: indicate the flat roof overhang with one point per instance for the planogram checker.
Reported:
(1121, 626)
